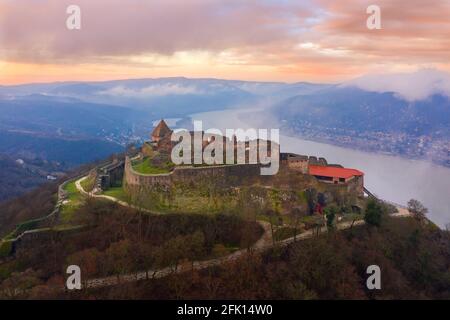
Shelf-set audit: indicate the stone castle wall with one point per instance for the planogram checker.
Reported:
(229, 174)
(356, 186)
(112, 175)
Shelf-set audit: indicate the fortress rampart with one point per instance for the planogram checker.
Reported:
(229, 174)
(161, 145)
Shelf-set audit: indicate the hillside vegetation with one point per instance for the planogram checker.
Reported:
(34, 204)
(413, 254)
(119, 240)
(414, 261)
(18, 178)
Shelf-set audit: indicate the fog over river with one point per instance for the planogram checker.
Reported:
(392, 178)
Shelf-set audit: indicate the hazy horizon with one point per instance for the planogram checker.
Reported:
(411, 86)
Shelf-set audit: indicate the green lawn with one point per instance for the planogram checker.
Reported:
(194, 204)
(75, 200)
(118, 193)
(145, 167)
(88, 184)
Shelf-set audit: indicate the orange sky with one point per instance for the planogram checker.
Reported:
(264, 40)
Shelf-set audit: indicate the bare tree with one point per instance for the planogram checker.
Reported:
(272, 215)
(297, 214)
(417, 209)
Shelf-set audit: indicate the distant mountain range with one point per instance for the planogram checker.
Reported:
(165, 97)
(18, 177)
(372, 121)
(42, 114)
(75, 122)
(168, 97)
(360, 110)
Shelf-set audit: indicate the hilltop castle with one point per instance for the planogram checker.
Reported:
(152, 168)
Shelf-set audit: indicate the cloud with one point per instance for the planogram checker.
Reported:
(289, 40)
(418, 31)
(152, 91)
(37, 31)
(409, 86)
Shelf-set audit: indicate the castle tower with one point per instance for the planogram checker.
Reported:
(160, 131)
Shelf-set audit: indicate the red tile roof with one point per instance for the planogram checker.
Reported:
(334, 172)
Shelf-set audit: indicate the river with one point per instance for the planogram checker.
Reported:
(389, 177)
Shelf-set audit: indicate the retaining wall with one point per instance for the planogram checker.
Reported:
(231, 174)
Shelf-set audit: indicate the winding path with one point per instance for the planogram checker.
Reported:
(264, 243)
(103, 196)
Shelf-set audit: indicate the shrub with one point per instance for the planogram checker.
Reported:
(5, 248)
(374, 213)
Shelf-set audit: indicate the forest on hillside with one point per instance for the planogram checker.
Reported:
(414, 259)
(33, 204)
(414, 256)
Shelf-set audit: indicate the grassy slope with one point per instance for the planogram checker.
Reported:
(88, 183)
(145, 167)
(118, 193)
(74, 201)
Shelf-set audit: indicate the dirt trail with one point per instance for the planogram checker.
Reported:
(264, 243)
